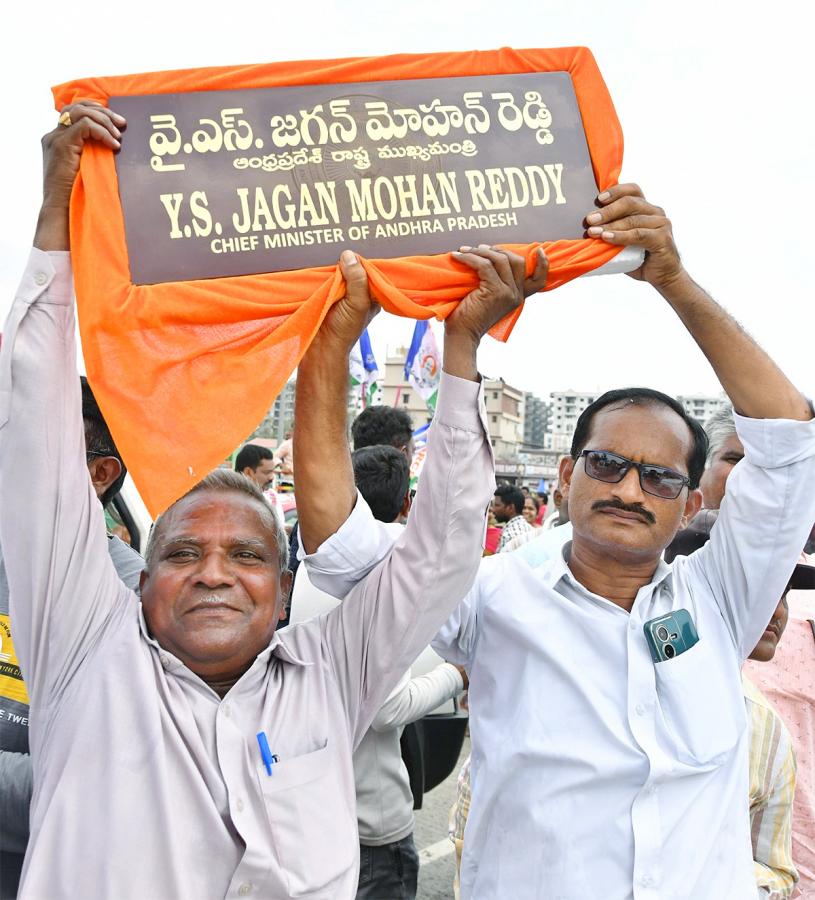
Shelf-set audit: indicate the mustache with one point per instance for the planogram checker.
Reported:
(636, 508)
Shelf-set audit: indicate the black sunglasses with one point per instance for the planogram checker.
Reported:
(656, 480)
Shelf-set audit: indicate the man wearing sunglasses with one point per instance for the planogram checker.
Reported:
(597, 772)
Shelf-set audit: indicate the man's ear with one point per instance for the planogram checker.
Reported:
(104, 470)
(565, 471)
(285, 590)
(403, 512)
(692, 506)
(142, 579)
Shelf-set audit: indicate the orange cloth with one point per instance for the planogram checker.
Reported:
(183, 371)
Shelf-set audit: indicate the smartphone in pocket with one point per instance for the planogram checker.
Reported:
(670, 635)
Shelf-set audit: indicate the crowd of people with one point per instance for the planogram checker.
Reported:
(640, 675)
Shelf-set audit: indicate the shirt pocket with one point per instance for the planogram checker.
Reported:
(312, 822)
(702, 705)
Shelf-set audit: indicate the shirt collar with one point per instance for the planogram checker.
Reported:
(559, 569)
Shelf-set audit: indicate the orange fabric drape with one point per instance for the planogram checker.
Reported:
(183, 371)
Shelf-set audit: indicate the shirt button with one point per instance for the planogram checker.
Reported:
(40, 278)
(165, 661)
(227, 710)
(632, 626)
(646, 881)
(639, 709)
(244, 889)
(239, 805)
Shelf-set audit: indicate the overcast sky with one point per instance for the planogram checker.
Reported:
(715, 101)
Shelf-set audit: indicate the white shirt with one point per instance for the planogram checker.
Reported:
(595, 772)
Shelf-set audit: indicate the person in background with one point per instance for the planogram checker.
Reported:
(284, 463)
(388, 861)
(384, 425)
(531, 509)
(107, 472)
(507, 507)
(725, 450)
(788, 681)
(257, 463)
(543, 506)
(374, 426)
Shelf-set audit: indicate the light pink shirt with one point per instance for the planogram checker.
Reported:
(146, 783)
(788, 681)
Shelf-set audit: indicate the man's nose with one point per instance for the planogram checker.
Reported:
(629, 490)
(215, 571)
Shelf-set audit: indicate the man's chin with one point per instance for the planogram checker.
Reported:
(206, 648)
(617, 539)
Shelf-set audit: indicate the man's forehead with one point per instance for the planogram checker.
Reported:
(205, 512)
(645, 432)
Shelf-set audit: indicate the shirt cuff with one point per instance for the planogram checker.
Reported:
(460, 404)
(773, 443)
(47, 273)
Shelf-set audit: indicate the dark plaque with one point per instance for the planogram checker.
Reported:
(242, 182)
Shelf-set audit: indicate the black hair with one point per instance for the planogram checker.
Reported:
(512, 496)
(251, 455)
(382, 475)
(382, 425)
(98, 439)
(642, 397)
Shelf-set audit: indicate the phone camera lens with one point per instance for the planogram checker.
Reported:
(669, 651)
(662, 633)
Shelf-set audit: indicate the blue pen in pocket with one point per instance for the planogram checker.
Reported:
(265, 753)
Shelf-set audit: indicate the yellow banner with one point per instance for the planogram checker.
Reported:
(12, 685)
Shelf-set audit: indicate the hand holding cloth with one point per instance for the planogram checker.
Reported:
(183, 371)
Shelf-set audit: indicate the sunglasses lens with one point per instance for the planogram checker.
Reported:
(606, 466)
(661, 482)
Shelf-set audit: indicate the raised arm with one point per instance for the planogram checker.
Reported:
(61, 579)
(342, 550)
(321, 401)
(754, 383)
(388, 618)
(770, 502)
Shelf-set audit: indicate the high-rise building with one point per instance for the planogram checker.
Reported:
(537, 420)
(566, 407)
(701, 407)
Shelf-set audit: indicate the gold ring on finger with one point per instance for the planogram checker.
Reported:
(65, 119)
